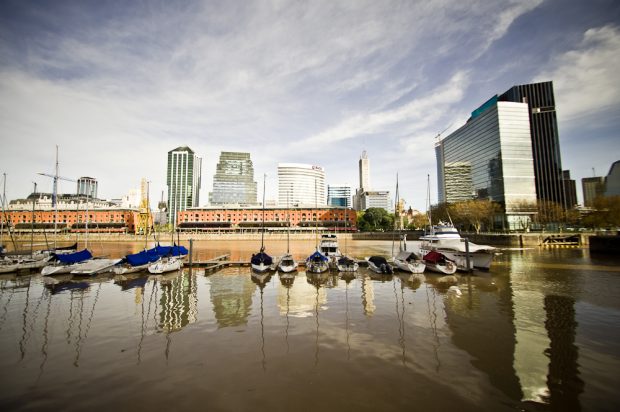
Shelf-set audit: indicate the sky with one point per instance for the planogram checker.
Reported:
(116, 85)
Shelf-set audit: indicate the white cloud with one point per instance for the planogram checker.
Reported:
(586, 78)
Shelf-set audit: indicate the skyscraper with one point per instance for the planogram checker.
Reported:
(339, 195)
(490, 157)
(570, 189)
(301, 184)
(592, 187)
(540, 100)
(183, 180)
(364, 165)
(233, 182)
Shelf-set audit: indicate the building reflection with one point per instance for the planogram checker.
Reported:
(231, 296)
(368, 296)
(563, 380)
(301, 297)
(481, 322)
(178, 302)
(520, 335)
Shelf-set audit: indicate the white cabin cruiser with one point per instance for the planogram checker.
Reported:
(445, 239)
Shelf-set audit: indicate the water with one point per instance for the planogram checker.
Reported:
(541, 331)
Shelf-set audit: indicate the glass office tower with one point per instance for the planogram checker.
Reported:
(339, 195)
(233, 182)
(490, 157)
(183, 180)
(545, 138)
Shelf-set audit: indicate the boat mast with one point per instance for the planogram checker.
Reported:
(262, 236)
(3, 214)
(428, 203)
(316, 219)
(288, 227)
(395, 217)
(34, 198)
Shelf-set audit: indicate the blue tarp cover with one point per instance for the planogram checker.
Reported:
(142, 258)
(171, 250)
(317, 256)
(76, 257)
(261, 257)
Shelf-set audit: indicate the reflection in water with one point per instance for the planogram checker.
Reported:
(432, 319)
(368, 296)
(510, 341)
(261, 280)
(231, 296)
(563, 380)
(287, 282)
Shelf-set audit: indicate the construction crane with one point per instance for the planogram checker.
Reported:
(55, 192)
(145, 219)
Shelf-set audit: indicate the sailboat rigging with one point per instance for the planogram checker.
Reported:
(261, 262)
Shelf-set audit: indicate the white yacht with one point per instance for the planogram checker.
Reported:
(445, 239)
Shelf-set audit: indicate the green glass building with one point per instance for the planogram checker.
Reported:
(183, 180)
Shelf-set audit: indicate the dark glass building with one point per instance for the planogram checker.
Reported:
(570, 189)
(545, 138)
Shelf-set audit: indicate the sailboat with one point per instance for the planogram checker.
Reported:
(316, 262)
(170, 259)
(287, 263)
(345, 263)
(261, 262)
(404, 260)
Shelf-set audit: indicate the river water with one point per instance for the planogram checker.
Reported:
(540, 331)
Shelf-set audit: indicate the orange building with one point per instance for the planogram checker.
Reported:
(99, 220)
(252, 217)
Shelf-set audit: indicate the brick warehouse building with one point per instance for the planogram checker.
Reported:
(234, 218)
(109, 220)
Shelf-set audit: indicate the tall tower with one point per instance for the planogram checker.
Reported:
(183, 180)
(233, 182)
(364, 172)
(545, 138)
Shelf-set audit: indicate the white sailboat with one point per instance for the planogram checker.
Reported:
(287, 264)
(345, 263)
(404, 260)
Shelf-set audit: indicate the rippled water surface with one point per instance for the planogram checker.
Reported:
(540, 331)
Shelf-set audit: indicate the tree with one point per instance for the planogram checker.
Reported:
(475, 212)
(606, 212)
(418, 221)
(374, 219)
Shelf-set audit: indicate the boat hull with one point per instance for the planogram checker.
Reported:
(164, 266)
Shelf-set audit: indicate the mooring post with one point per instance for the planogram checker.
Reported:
(191, 249)
(467, 255)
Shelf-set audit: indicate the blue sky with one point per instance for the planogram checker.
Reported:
(118, 84)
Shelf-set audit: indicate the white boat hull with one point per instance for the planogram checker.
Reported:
(94, 266)
(121, 270)
(165, 265)
(411, 267)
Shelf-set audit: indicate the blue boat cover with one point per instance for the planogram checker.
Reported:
(70, 258)
(142, 258)
(171, 250)
(261, 257)
(317, 256)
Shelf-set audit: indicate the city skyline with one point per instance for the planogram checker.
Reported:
(118, 85)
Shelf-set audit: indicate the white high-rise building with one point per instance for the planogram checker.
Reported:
(301, 184)
(364, 172)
